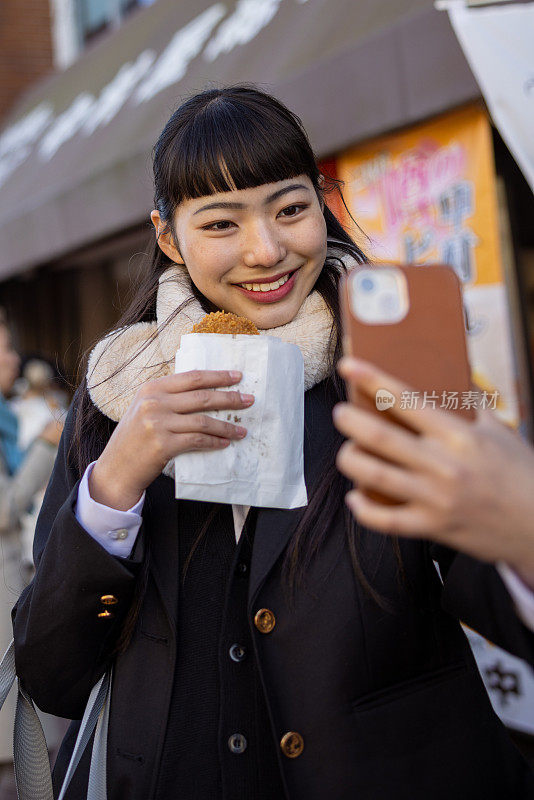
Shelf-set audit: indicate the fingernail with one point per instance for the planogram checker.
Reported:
(240, 431)
(247, 398)
(235, 375)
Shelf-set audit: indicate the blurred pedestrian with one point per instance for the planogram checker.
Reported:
(22, 474)
(38, 399)
(39, 396)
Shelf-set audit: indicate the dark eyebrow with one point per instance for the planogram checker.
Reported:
(291, 188)
(241, 206)
(222, 204)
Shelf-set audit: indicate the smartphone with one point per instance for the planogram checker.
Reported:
(409, 321)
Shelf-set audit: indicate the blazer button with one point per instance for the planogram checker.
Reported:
(292, 744)
(108, 599)
(237, 652)
(264, 620)
(237, 743)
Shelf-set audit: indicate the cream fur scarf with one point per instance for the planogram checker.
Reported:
(128, 357)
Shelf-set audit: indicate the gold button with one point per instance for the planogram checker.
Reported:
(108, 599)
(105, 614)
(264, 620)
(292, 744)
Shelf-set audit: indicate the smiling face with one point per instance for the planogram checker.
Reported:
(255, 252)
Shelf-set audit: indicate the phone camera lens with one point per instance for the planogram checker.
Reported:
(389, 303)
(367, 284)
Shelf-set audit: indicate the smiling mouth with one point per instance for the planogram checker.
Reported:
(269, 291)
(263, 286)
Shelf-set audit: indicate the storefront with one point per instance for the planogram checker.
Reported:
(75, 155)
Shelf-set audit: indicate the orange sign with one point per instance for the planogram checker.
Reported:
(428, 195)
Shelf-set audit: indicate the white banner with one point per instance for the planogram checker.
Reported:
(498, 43)
(508, 681)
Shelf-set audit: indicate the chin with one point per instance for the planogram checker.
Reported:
(274, 318)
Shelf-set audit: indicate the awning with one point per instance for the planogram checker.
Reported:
(75, 154)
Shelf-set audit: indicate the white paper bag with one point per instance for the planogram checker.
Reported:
(266, 468)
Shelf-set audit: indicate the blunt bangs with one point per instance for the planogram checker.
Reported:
(230, 143)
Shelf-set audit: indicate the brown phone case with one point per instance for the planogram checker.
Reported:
(426, 349)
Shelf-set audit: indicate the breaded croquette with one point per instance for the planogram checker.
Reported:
(225, 322)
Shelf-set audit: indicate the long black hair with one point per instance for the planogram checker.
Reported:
(237, 138)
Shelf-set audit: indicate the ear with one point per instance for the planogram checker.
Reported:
(165, 238)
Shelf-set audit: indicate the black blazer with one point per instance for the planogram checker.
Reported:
(390, 704)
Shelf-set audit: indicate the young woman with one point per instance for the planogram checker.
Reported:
(310, 659)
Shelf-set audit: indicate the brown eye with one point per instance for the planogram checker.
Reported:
(222, 225)
(292, 211)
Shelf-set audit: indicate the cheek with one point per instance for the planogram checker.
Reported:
(310, 239)
(208, 261)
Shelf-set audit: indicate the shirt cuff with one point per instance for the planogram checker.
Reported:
(115, 530)
(520, 593)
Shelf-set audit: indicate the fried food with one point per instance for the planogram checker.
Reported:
(225, 322)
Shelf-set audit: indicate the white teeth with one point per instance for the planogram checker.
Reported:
(265, 287)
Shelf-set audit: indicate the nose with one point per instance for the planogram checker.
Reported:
(262, 247)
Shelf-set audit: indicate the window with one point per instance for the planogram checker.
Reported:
(95, 16)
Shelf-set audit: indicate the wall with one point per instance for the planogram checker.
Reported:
(26, 51)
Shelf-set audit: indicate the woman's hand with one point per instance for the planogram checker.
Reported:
(166, 418)
(468, 485)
